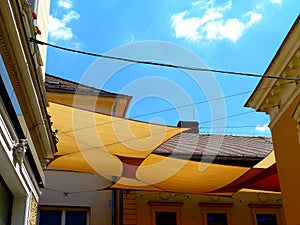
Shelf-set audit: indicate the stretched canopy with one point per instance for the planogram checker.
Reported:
(122, 150)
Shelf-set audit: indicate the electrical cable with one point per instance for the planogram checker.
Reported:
(161, 64)
(187, 105)
(226, 117)
(130, 139)
(66, 193)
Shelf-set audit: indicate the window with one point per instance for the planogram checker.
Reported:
(6, 199)
(266, 214)
(63, 216)
(165, 213)
(266, 219)
(216, 218)
(216, 213)
(166, 218)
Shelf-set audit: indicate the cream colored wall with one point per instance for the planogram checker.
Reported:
(43, 23)
(192, 214)
(81, 189)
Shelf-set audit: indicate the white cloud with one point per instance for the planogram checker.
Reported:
(254, 18)
(67, 4)
(212, 25)
(275, 2)
(262, 128)
(230, 29)
(59, 28)
(187, 28)
(72, 15)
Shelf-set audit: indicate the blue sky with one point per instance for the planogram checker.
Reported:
(240, 36)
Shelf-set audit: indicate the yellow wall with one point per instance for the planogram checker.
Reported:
(240, 213)
(107, 105)
(287, 153)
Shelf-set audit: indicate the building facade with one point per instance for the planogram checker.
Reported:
(280, 99)
(87, 198)
(165, 208)
(26, 139)
(70, 197)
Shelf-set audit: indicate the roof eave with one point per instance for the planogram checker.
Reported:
(279, 62)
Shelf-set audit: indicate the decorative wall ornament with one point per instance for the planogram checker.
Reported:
(214, 198)
(263, 197)
(33, 211)
(19, 150)
(165, 195)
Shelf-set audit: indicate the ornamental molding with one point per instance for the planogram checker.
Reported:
(280, 92)
(33, 211)
(277, 97)
(19, 150)
(271, 95)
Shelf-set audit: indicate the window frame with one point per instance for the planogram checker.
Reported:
(10, 199)
(268, 210)
(64, 209)
(35, 5)
(165, 207)
(216, 208)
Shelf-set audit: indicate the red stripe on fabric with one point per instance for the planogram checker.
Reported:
(130, 166)
(262, 179)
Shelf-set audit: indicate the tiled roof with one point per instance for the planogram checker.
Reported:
(58, 84)
(233, 149)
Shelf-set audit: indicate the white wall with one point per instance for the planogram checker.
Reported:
(81, 190)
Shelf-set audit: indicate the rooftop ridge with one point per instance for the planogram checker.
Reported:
(73, 86)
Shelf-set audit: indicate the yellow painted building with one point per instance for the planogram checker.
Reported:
(280, 99)
(154, 208)
(97, 205)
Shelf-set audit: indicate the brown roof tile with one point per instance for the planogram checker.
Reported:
(58, 84)
(237, 150)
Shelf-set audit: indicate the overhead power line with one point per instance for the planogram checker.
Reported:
(188, 105)
(162, 64)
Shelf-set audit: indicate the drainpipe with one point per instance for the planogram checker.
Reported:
(117, 195)
(113, 194)
(121, 207)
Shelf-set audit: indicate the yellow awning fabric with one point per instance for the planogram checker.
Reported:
(122, 150)
(178, 175)
(92, 142)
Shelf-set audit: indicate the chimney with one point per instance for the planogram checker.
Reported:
(193, 125)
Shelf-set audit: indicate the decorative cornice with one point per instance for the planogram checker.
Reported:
(273, 96)
(264, 206)
(216, 205)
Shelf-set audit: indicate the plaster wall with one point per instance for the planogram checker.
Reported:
(287, 153)
(70, 189)
(193, 207)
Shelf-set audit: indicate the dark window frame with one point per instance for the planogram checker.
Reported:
(266, 209)
(210, 208)
(65, 209)
(172, 207)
